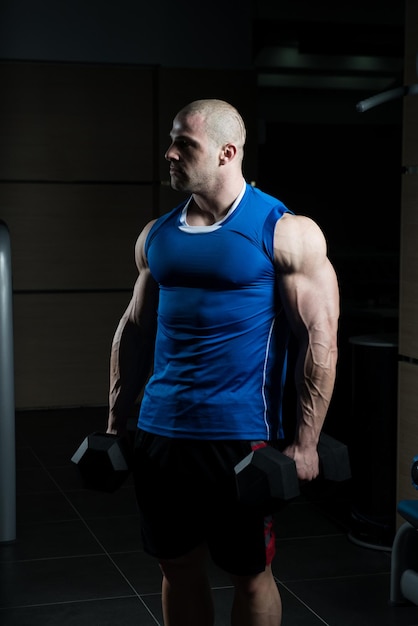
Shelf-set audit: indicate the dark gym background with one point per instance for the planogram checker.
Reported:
(89, 90)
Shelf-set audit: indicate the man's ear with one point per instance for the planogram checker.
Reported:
(228, 152)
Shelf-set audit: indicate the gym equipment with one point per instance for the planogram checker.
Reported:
(103, 461)
(374, 399)
(7, 403)
(404, 560)
(266, 475)
(334, 460)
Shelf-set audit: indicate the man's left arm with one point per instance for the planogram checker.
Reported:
(310, 296)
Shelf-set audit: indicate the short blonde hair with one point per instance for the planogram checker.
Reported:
(223, 123)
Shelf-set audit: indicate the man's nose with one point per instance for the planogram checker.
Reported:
(170, 153)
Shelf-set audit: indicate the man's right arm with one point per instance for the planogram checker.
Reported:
(133, 344)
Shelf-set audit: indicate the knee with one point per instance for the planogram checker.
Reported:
(251, 586)
(190, 564)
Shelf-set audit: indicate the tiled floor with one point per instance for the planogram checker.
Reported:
(78, 560)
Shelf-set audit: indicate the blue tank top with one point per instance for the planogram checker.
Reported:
(221, 345)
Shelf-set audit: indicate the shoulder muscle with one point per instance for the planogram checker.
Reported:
(299, 244)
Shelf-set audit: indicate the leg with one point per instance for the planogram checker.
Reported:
(257, 600)
(170, 524)
(186, 592)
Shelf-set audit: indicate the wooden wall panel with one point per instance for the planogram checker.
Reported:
(62, 347)
(410, 132)
(74, 236)
(70, 122)
(408, 305)
(408, 302)
(82, 169)
(77, 184)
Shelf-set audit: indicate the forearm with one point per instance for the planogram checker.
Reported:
(133, 343)
(315, 378)
(310, 295)
(130, 366)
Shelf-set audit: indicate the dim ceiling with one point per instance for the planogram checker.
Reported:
(329, 45)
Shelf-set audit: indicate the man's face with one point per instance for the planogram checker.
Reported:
(193, 157)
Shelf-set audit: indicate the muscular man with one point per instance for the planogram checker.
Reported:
(224, 278)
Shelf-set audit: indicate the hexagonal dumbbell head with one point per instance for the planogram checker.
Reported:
(266, 475)
(334, 459)
(103, 461)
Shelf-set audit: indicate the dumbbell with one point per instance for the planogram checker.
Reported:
(266, 476)
(103, 461)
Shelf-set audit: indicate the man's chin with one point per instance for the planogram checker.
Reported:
(177, 185)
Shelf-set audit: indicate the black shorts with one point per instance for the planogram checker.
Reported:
(186, 496)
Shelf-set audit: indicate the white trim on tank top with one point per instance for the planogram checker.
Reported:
(207, 229)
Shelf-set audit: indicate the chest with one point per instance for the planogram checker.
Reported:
(221, 259)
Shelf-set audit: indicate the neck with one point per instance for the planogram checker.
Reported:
(207, 210)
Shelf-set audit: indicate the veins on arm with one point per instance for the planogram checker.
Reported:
(309, 293)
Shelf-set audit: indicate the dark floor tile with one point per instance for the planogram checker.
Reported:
(92, 504)
(337, 512)
(44, 507)
(297, 613)
(26, 583)
(34, 479)
(107, 612)
(301, 519)
(59, 454)
(117, 534)
(141, 570)
(66, 477)
(50, 540)
(222, 601)
(25, 458)
(361, 600)
(326, 557)
(78, 559)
